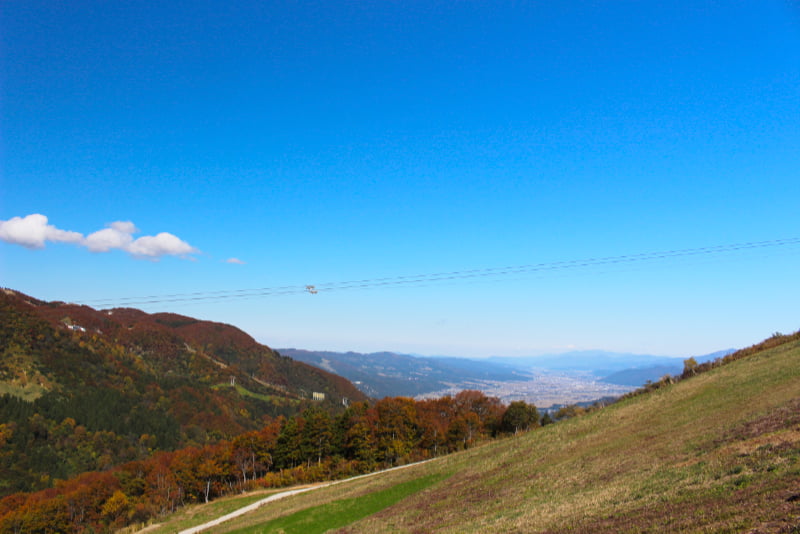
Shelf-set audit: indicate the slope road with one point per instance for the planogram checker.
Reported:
(283, 494)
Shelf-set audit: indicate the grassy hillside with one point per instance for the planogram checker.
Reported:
(718, 452)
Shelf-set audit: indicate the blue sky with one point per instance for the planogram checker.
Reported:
(157, 148)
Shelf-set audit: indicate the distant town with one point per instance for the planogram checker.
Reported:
(543, 390)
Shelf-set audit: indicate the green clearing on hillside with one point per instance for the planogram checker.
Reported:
(272, 399)
(719, 452)
(339, 513)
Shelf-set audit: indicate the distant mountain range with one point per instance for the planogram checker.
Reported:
(612, 367)
(381, 374)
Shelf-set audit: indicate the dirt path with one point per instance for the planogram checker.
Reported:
(249, 508)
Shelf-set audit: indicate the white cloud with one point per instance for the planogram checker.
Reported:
(163, 244)
(124, 226)
(32, 231)
(117, 235)
(237, 261)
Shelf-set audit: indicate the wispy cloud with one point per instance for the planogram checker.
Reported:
(33, 231)
(237, 261)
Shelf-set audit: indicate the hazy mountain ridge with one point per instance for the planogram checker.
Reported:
(600, 362)
(637, 376)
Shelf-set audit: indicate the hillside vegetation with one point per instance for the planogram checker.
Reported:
(717, 452)
(83, 389)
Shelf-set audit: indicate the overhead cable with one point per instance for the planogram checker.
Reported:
(419, 279)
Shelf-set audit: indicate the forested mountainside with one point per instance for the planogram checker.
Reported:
(84, 389)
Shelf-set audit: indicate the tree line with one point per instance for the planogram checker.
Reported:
(308, 447)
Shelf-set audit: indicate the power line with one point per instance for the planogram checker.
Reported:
(419, 279)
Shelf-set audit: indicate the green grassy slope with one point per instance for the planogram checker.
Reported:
(719, 452)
